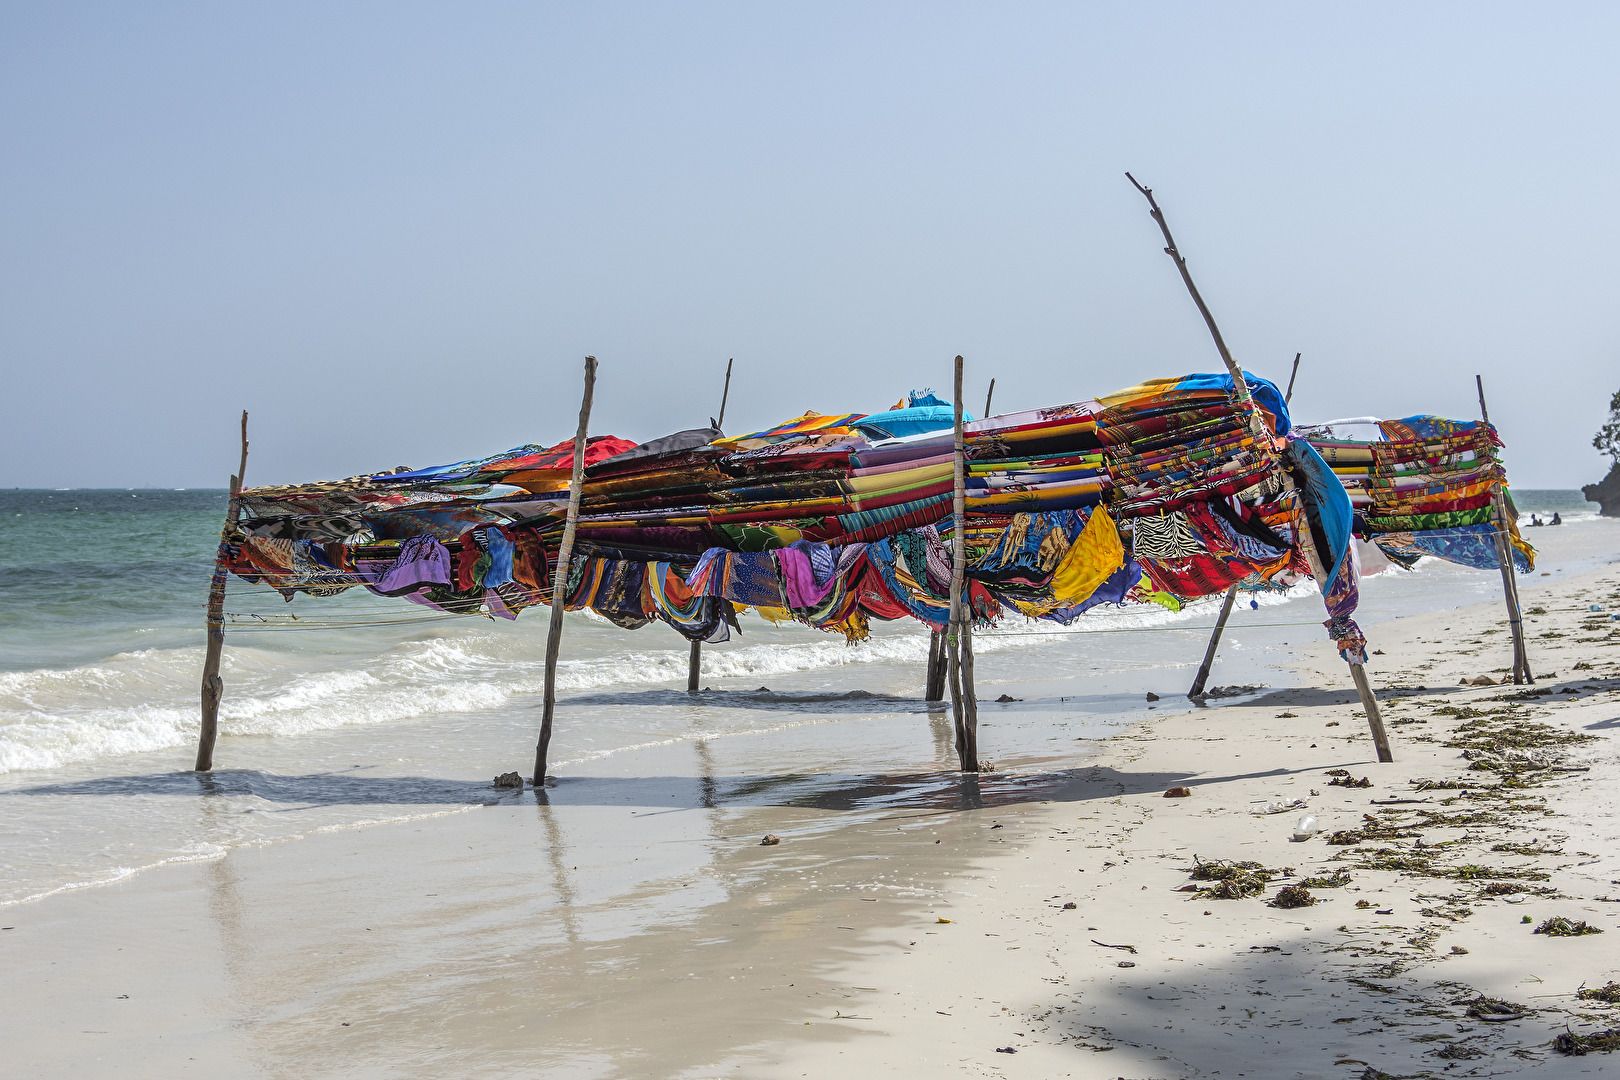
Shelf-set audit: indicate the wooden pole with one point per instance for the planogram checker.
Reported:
(693, 661)
(1504, 557)
(1214, 643)
(934, 686)
(724, 394)
(988, 394)
(213, 687)
(1257, 425)
(559, 580)
(1231, 594)
(959, 632)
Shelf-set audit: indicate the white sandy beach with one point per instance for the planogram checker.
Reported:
(504, 937)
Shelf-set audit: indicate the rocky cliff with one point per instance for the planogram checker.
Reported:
(1606, 492)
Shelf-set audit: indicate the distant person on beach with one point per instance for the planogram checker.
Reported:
(1556, 519)
(1534, 521)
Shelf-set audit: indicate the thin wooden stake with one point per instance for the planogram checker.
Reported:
(213, 687)
(959, 633)
(1214, 643)
(559, 580)
(724, 394)
(693, 661)
(1504, 558)
(1241, 390)
(1288, 397)
(988, 394)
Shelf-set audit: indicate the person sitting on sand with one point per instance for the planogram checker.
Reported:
(1556, 519)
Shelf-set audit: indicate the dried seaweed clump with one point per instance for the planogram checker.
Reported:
(1233, 880)
(1337, 879)
(1609, 994)
(1575, 1045)
(1489, 1008)
(1347, 781)
(1558, 926)
(1502, 888)
(1293, 896)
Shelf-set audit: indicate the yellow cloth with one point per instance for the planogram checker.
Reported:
(1089, 562)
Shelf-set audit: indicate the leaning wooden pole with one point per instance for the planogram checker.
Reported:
(559, 580)
(1231, 594)
(1257, 425)
(720, 423)
(1504, 556)
(1214, 643)
(213, 687)
(959, 631)
(989, 395)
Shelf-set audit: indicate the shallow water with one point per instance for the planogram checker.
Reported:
(393, 717)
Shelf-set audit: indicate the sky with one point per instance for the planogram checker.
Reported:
(392, 231)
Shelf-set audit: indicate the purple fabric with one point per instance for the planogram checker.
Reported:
(808, 572)
(422, 561)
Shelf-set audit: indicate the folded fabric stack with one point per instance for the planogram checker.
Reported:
(830, 520)
(1423, 485)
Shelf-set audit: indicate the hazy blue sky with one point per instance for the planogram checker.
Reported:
(392, 231)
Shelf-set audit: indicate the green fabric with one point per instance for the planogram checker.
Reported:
(1425, 522)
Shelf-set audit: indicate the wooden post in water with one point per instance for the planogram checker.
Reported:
(694, 661)
(213, 687)
(959, 631)
(1504, 556)
(938, 662)
(559, 580)
(1257, 426)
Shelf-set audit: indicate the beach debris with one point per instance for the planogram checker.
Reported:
(1006, 1050)
(1458, 950)
(509, 780)
(1306, 827)
(1609, 993)
(1231, 691)
(941, 919)
(1493, 1010)
(1070, 906)
(1293, 896)
(1152, 696)
(1479, 680)
(1128, 948)
(1004, 698)
(1346, 781)
(1281, 807)
(1363, 903)
(1233, 880)
(1126, 964)
(1567, 1042)
(770, 840)
(1178, 793)
(1336, 880)
(1287, 715)
(1558, 926)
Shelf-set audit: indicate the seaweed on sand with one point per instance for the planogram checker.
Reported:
(1558, 926)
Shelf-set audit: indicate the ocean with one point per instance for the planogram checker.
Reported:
(358, 711)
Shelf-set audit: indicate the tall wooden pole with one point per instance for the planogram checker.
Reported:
(934, 685)
(559, 580)
(1504, 557)
(694, 661)
(959, 631)
(1231, 594)
(988, 395)
(1257, 425)
(213, 687)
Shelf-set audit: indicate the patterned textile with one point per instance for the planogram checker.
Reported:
(1091, 561)
(1165, 536)
(1469, 545)
(1341, 598)
(1426, 522)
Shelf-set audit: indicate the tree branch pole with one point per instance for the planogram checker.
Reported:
(1231, 594)
(988, 395)
(1504, 557)
(1258, 426)
(694, 657)
(934, 686)
(559, 580)
(959, 630)
(213, 687)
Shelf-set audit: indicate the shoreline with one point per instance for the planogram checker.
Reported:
(465, 940)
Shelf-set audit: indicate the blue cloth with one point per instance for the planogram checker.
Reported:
(899, 423)
(1326, 501)
(1467, 545)
(500, 558)
(1263, 391)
